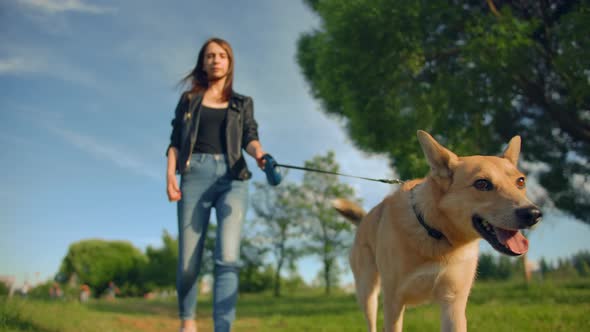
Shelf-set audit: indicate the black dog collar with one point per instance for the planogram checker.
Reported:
(431, 231)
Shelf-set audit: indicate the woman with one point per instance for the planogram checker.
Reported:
(212, 125)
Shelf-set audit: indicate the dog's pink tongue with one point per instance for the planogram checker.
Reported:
(513, 240)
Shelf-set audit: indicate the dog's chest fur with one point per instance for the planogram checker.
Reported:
(436, 280)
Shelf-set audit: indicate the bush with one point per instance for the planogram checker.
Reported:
(4, 290)
(293, 284)
(256, 280)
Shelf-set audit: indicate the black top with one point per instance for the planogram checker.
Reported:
(240, 129)
(211, 133)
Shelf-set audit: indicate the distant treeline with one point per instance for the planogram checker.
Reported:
(138, 273)
(493, 267)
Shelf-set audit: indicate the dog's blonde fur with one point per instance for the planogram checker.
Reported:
(394, 253)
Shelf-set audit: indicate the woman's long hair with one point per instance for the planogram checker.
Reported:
(198, 77)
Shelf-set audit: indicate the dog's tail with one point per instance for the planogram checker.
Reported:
(349, 210)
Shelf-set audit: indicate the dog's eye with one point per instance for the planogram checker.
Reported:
(483, 185)
(520, 183)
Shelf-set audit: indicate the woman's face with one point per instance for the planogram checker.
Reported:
(215, 62)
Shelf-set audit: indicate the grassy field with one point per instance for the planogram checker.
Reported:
(510, 306)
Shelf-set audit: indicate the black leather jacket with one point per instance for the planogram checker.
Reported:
(241, 129)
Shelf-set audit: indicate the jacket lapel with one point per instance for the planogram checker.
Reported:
(233, 103)
(194, 103)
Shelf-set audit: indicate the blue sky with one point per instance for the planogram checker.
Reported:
(87, 92)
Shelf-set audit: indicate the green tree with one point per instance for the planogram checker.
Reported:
(472, 74)
(565, 269)
(278, 211)
(255, 275)
(4, 290)
(160, 271)
(330, 235)
(581, 262)
(208, 260)
(498, 267)
(486, 267)
(294, 282)
(256, 279)
(333, 278)
(97, 262)
(545, 267)
(506, 267)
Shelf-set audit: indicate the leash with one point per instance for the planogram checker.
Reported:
(389, 181)
(274, 177)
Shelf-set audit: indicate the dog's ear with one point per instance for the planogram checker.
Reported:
(441, 160)
(513, 150)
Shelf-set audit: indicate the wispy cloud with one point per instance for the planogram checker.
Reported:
(109, 152)
(11, 65)
(15, 65)
(24, 61)
(62, 6)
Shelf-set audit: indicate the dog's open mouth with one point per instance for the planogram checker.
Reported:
(506, 241)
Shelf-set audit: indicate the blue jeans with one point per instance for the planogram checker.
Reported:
(208, 184)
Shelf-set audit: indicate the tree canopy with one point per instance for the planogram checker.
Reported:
(472, 73)
(98, 262)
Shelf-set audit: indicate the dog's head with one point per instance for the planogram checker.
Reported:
(483, 195)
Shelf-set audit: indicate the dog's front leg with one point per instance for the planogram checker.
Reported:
(393, 314)
(453, 316)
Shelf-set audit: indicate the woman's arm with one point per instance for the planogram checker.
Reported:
(254, 149)
(172, 188)
(172, 158)
(250, 134)
(176, 123)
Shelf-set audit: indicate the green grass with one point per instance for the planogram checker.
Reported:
(497, 307)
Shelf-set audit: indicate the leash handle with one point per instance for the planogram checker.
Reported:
(272, 170)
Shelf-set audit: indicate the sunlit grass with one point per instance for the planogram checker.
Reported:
(508, 306)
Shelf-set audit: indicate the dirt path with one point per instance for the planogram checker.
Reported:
(162, 324)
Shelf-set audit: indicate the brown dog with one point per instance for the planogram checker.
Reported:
(421, 243)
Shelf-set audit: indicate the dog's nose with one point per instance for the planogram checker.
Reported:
(529, 215)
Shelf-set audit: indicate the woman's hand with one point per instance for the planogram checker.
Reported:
(172, 189)
(259, 160)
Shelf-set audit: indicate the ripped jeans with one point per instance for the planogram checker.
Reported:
(208, 184)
